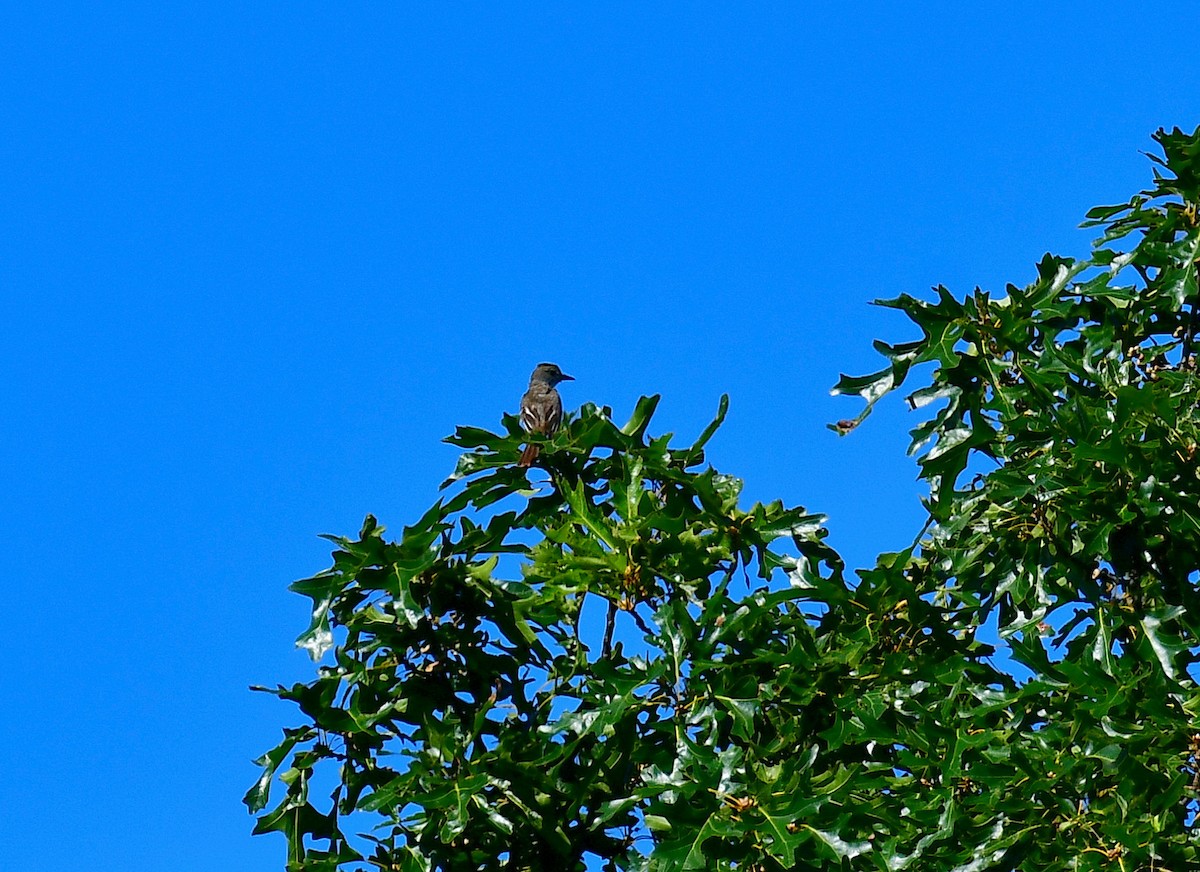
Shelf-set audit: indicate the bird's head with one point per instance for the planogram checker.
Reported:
(550, 374)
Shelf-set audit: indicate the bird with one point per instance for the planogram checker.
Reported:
(541, 407)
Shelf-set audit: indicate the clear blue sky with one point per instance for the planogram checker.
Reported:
(257, 259)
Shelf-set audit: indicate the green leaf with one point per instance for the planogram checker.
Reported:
(585, 511)
(640, 420)
(696, 452)
(837, 846)
(256, 797)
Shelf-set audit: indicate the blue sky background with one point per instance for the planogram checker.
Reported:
(257, 259)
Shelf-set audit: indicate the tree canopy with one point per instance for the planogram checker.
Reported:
(1013, 691)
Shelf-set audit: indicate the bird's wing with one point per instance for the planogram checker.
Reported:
(542, 413)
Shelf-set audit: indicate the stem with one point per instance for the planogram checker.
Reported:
(641, 623)
(610, 621)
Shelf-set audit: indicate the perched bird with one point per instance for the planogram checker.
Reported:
(541, 407)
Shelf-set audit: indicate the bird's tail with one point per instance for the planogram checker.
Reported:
(528, 456)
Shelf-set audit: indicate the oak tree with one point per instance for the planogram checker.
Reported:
(1013, 691)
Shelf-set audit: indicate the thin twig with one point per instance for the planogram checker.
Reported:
(610, 622)
(640, 622)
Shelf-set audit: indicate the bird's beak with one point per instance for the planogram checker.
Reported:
(565, 377)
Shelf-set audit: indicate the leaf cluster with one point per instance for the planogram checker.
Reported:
(1061, 462)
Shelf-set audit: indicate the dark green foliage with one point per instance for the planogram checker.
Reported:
(745, 705)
